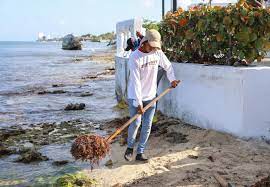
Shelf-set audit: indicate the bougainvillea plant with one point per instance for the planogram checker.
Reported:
(217, 35)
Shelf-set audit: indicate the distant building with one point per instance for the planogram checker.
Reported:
(41, 36)
(49, 37)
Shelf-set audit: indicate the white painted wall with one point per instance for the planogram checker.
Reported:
(257, 102)
(121, 77)
(124, 30)
(233, 100)
(228, 99)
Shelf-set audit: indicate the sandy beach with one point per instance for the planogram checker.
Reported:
(184, 155)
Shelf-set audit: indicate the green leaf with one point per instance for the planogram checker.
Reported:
(189, 34)
(235, 21)
(242, 37)
(241, 55)
(227, 20)
(200, 25)
(259, 43)
(252, 37)
(251, 20)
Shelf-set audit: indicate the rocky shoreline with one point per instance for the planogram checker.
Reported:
(31, 144)
(27, 139)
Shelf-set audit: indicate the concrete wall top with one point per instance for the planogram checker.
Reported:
(124, 30)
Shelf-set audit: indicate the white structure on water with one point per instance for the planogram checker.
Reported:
(230, 99)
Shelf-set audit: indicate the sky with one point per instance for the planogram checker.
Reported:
(22, 20)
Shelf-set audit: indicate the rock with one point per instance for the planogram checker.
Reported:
(44, 142)
(4, 151)
(211, 159)
(60, 163)
(175, 137)
(111, 43)
(109, 163)
(222, 173)
(48, 130)
(71, 43)
(57, 85)
(110, 68)
(58, 92)
(76, 106)
(78, 59)
(122, 141)
(23, 150)
(31, 156)
(86, 94)
(79, 182)
(42, 92)
(90, 77)
(168, 166)
(15, 131)
(28, 145)
(96, 126)
(154, 128)
(192, 157)
(51, 92)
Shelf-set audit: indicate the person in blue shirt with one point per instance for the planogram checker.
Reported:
(133, 43)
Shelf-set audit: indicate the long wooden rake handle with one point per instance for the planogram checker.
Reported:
(120, 129)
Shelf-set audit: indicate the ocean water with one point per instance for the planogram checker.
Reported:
(27, 68)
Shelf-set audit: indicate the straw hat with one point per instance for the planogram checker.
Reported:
(153, 37)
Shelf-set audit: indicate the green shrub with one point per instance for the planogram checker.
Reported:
(148, 24)
(217, 35)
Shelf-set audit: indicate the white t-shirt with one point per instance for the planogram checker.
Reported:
(143, 67)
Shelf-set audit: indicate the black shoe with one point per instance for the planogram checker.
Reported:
(141, 157)
(128, 154)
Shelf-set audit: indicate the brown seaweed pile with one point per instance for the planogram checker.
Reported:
(265, 182)
(91, 148)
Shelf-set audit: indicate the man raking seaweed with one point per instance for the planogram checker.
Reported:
(142, 87)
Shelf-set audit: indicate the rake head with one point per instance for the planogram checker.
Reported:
(91, 148)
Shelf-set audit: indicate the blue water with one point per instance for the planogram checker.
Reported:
(29, 67)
